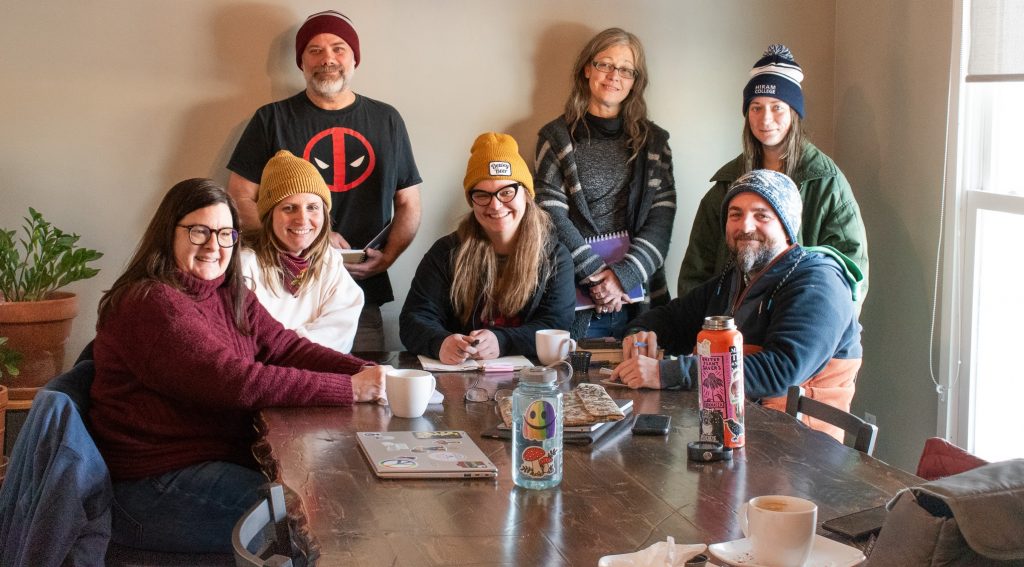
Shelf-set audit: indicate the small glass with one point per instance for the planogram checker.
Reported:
(580, 362)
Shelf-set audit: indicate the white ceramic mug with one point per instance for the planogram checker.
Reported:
(409, 391)
(780, 529)
(553, 345)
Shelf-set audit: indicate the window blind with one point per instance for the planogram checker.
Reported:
(997, 41)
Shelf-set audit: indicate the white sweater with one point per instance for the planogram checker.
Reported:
(327, 311)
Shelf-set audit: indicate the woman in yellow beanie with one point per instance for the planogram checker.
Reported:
(484, 290)
(291, 266)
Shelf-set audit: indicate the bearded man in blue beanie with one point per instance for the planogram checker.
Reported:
(795, 307)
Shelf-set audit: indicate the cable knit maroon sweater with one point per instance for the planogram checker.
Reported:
(177, 384)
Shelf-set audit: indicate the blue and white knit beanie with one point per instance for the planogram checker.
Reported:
(776, 74)
(774, 187)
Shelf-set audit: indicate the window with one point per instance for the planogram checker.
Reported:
(988, 387)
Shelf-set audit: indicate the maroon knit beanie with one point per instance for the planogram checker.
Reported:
(326, 22)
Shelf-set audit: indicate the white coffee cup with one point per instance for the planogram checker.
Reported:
(409, 391)
(780, 529)
(554, 345)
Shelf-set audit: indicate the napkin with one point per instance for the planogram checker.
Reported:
(661, 554)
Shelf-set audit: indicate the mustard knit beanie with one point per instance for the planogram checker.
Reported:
(496, 156)
(286, 175)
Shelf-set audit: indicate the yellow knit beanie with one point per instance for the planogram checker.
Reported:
(496, 156)
(286, 175)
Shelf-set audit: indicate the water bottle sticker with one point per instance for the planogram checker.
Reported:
(538, 463)
(714, 371)
(539, 421)
(704, 347)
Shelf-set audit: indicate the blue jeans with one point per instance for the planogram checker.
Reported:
(190, 510)
(608, 324)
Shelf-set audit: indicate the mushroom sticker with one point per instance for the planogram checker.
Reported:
(537, 462)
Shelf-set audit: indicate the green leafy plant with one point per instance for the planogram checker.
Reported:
(9, 359)
(46, 260)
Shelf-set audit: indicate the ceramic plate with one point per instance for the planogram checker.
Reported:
(825, 553)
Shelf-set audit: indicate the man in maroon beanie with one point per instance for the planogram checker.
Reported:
(358, 144)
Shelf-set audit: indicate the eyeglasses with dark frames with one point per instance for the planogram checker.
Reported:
(607, 68)
(200, 234)
(503, 195)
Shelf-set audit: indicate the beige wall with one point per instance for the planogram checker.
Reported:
(892, 75)
(106, 104)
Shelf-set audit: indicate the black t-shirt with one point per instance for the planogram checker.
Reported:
(362, 151)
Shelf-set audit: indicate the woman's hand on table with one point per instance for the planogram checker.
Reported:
(368, 383)
(457, 348)
(486, 344)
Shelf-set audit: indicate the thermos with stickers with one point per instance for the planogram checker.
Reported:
(537, 429)
(720, 356)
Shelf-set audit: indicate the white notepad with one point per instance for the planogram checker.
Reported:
(517, 362)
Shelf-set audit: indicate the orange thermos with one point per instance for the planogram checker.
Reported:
(720, 356)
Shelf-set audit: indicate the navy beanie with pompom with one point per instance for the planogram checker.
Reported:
(777, 75)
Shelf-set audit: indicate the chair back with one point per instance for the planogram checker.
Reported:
(261, 537)
(864, 433)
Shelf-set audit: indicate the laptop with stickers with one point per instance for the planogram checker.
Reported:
(424, 454)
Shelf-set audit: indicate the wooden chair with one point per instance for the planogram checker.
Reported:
(864, 433)
(260, 537)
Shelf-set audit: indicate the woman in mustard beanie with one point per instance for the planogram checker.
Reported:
(291, 266)
(484, 290)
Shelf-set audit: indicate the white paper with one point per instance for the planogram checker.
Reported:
(433, 365)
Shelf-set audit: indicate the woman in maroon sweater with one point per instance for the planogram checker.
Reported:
(185, 355)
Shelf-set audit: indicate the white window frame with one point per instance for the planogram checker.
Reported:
(967, 176)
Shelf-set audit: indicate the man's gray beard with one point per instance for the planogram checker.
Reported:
(328, 88)
(753, 261)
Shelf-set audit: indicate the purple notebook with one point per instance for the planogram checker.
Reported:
(611, 248)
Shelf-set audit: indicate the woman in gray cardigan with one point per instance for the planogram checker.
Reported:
(604, 169)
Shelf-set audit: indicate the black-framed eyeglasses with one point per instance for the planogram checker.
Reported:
(199, 234)
(504, 195)
(625, 72)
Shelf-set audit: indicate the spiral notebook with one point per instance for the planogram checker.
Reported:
(611, 248)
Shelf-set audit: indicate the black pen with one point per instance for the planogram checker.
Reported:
(475, 342)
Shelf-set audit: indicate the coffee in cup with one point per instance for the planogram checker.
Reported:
(553, 345)
(409, 391)
(780, 529)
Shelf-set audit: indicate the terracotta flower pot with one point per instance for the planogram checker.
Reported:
(39, 330)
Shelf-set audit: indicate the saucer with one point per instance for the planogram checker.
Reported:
(825, 553)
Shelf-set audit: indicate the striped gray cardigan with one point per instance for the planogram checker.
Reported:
(651, 212)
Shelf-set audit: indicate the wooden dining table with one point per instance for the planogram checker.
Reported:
(620, 494)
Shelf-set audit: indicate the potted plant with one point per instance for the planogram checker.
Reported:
(34, 315)
(9, 359)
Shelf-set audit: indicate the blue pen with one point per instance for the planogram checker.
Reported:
(637, 346)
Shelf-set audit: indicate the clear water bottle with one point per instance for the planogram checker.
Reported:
(537, 429)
